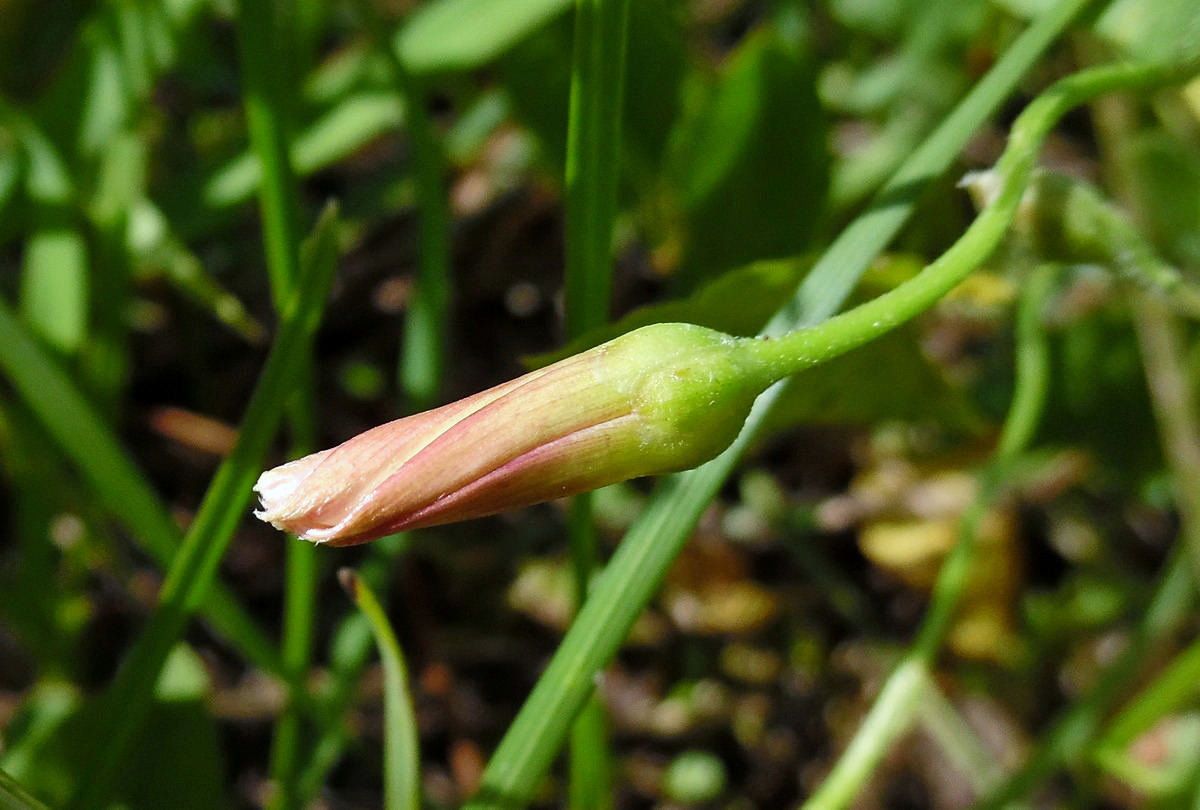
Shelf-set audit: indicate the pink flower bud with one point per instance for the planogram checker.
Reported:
(662, 398)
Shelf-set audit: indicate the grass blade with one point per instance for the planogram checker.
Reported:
(194, 568)
(401, 757)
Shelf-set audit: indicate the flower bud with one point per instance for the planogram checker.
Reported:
(660, 399)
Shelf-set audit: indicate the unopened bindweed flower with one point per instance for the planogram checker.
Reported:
(660, 399)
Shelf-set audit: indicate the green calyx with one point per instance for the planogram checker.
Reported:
(690, 387)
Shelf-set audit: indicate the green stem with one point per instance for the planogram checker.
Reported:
(401, 758)
(1170, 606)
(626, 586)
(425, 328)
(592, 177)
(804, 348)
(15, 797)
(267, 98)
(899, 699)
(190, 578)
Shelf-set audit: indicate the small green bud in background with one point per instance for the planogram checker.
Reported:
(659, 399)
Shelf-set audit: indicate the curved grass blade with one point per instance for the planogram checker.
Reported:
(401, 748)
(194, 568)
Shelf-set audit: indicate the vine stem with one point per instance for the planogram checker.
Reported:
(804, 348)
(899, 699)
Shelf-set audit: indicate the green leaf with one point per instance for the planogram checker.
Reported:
(401, 767)
(54, 282)
(456, 35)
(1098, 396)
(737, 303)
(536, 76)
(1167, 171)
(1153, 30)
(750, 163)
(178, 755)
(14, 797)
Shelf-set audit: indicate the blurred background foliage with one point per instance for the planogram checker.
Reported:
(134, 320)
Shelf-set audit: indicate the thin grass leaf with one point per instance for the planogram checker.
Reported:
(592, 178)
(401, 746)
(88, 442)
(268, 96)
(14, 797)
(194, 569)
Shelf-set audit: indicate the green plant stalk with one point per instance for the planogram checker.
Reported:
(189, 580)
(639, 565)
(1170, 606)
(15, 797)
(1173, 690)
(803, 348)
(592, 178)
(422, 358)
(401, 749)
(85, 439)
(899, 699)
(1171, 394)
(267, 93)
(348, 654)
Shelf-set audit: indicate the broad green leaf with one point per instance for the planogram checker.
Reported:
(1154, 30)
(14, 797)
(1098, 396)
(847, 389)
(750, 163)
(455, 35)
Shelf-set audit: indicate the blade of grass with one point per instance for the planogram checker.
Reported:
(592, 176)
(1168, 609)
(401, 757)
(655, 540)
(348, 655)
(420, 377)
(267, 97)
(192, 572)
(14, 797)
(423, 354)
(88, 442)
